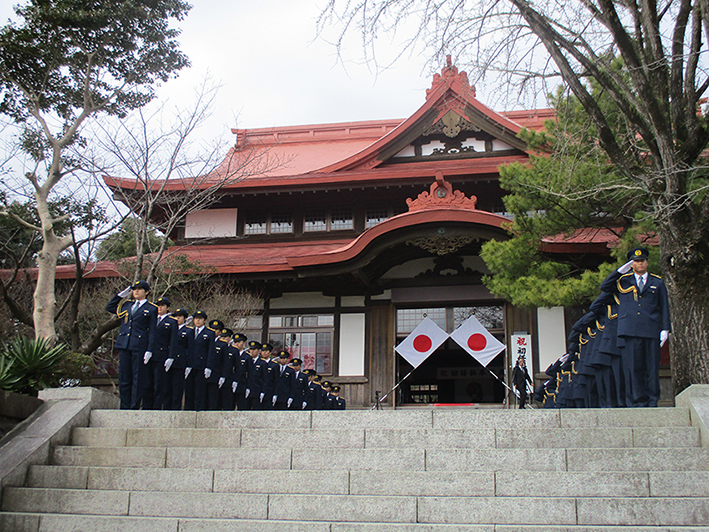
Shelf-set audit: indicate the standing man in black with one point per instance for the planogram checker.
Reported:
(268, 378)
(285, 383)
(255, 377)
(520, 378)
(177, 361)
(643, 326)
(156, 385)
(300, 385)
(241, 361)
(135, 341)
(199, 350)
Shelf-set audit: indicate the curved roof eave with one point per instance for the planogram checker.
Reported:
(407, 219)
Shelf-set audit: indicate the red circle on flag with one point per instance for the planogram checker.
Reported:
(422, 343)
(477, 342)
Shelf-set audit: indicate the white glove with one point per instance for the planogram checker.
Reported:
(187, 372)
(260, 397)
(207, 373)
(664, 335)
(168, 363)
(273, 401)
(126, 292)
(625, 268)
(221, 382)
(304, 405)
(290, 401)
(188, 320)
(246, 394)
(233, 387)
(147, 356)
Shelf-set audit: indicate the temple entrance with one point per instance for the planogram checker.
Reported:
(450, 375)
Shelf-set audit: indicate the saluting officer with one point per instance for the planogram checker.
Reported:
(643, 326)
(135, 341)
(176, 363)
(156, 385)
(200, 348)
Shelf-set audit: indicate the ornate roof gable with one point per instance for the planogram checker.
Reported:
(451, 124)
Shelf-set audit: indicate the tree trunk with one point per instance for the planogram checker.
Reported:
(44, 297)
(687, 279)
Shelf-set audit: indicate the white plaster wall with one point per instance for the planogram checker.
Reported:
(302, 300)
(552, 335)
(211, 223)
(352, 329)
(352, 301)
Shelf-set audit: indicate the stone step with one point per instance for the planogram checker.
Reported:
(333, 459)
(357, 508)
(28, 522)
(404, 483)
(413, 419)
(391, 438)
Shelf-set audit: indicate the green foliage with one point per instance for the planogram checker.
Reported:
(122, 243)
(19, 243)
(569, 186)
(8, 378)
(28, 365)
(63, 45)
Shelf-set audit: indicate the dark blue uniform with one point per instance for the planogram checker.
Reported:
(135, 337)
(300, 388)
(243, 369)
(284, 384)
(156, 385)
(268, 384)
(181, 340)
(215, 362)
(642, 314)
(196, 385)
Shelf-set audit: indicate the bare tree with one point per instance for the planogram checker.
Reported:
(67, 62)
(166, 174)
(648, 57)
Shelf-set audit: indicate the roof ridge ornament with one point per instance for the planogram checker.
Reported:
(441, 194)
(448, 76)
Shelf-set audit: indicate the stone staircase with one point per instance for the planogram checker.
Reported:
(371, 471)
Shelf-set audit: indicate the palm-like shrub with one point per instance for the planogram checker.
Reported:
(8, 378)
(36, 364)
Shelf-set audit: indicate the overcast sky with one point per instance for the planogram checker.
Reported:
(274, 71)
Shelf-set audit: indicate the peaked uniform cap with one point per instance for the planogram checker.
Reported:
(141, 284)
(638, 254)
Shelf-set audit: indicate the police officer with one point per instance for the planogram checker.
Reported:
(285, 383)
(199, 350)
(176, 363)
(328, 401)
(300, 385)
(135, 341)
(215, 363)
(268, 378)
(156, 382)
(243, 367)
(643, 326)
(255, 377)
(339, 402)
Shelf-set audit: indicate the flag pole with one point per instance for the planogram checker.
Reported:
(393, 389)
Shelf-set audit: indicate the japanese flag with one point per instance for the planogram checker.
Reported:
(423, 340)
(475, 339)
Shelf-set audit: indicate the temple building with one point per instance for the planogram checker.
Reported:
(360, 229)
